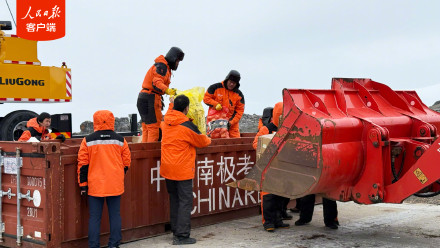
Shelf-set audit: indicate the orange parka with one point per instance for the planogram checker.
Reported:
(272, 126)
(102, 157)
(180, 137)
(231, 99)
(260, 123)
(157, 79)
(34, 130)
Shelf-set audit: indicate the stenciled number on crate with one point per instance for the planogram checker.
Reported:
(36, 182)
(32, 212)
(226, 170)
(13, 179)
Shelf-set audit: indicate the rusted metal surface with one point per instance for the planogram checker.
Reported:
(40, 173)
(61, 220)
(360, 141)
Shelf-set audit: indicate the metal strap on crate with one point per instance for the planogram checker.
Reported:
(27, 155)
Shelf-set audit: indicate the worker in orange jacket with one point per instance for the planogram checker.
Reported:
(227, 95)
(178, 154)
(265, 118)
(103, 160)
(270, 121)
(156, 83)
(37, 127)
(273, 207)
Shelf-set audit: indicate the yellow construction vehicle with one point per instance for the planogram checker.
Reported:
(24, 79)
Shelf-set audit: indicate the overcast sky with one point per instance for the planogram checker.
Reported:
(110, 45)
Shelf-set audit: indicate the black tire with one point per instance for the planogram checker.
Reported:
(14, 124)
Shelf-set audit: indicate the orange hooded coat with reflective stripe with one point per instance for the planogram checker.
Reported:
(102, 157)
(273, 125)
(157, 79)
(33, 123)
(180, 137)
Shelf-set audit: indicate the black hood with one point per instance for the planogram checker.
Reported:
(267, 115)
(173, 55)
(234, 76)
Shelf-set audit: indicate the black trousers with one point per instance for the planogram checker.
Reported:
(284, 202)
(272, 206)
(298, 203)
(308, 206)
(145, 105)
(181, 204)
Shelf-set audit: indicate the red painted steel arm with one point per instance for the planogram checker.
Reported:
(423, 173)
(372, 179)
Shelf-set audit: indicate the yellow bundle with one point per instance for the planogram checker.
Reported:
(196, 111)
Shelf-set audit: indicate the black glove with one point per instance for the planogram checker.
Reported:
(61, 137)
(84, 190)
(125, 169)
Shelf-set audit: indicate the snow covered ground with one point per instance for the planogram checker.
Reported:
(379, 225)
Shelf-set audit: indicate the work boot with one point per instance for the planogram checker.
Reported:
(294, 210)
(183, 241)
(332, 226)
(269, 227)
(286, 216)
(282, 225)
(301, 222)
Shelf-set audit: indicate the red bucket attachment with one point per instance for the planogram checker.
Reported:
(360, 141)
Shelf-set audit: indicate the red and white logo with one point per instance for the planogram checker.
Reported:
(41, 19)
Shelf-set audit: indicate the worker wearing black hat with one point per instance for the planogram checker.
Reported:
(156, 83)
(227, 95)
